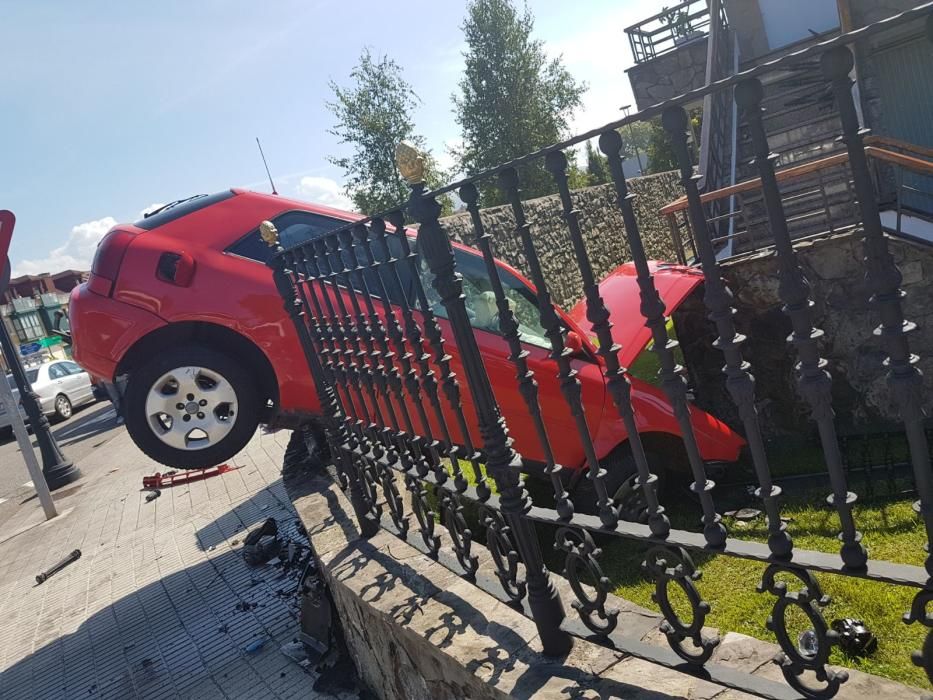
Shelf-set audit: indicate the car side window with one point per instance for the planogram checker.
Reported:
(57, 371)
(72, 368)
(481, 300)
(294, 227)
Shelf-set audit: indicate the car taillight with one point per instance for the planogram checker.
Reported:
(109, 257)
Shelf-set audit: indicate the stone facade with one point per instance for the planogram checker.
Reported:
(600, 220)
(416, 630)
(670, 74)
(834, 267)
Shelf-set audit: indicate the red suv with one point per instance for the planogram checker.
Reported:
(181, 312)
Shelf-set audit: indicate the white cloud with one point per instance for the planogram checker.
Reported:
(323, 190)
(151, 207)
(75, 254)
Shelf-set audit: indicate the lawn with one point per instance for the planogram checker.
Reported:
(891, 531)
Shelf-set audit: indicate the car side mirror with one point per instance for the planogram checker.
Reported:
(573, 342)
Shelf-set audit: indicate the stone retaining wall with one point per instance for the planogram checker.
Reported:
(836, 272)
(417, 631)
(600, 220)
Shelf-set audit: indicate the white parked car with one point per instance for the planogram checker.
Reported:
(61, 386)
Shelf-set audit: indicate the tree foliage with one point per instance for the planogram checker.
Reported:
(373, 115)
(597, 166)
(513, 100)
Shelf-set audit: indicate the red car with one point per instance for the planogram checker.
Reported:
(181, 312)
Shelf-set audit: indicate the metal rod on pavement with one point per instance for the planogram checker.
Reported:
(25, 446)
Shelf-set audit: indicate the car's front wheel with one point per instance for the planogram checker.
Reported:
(192, 407)
(63, 408)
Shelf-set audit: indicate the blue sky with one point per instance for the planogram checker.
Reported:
(109, 107)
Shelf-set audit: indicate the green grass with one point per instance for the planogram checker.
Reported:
(892, 532)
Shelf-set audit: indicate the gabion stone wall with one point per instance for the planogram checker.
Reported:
(833, 265)
(602, 226)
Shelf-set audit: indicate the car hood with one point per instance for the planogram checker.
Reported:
(620, 292)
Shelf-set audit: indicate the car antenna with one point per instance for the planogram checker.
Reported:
(263, 156)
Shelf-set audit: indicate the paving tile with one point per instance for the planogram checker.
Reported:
(150, 610)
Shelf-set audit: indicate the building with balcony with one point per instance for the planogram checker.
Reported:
(29, 310)
(701, 41)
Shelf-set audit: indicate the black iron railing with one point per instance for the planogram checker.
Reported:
(417, 428)
(670, 28)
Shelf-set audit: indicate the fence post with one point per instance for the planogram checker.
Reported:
(884, 279)
(547, 609)
(369, 526)
(813, 381)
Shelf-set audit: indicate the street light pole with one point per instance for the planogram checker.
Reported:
(57, 470)
(631, 131)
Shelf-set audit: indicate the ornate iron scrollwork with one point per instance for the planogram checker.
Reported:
(423, 513)
(460, 534)
(669, 565)
(793, 659)
(581, 567)
(368, 479)
(393, 499)
(918, 613)
(504, 554)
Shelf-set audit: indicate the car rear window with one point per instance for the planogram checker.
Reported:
(181, 208)
(294, 227)
(32, 375)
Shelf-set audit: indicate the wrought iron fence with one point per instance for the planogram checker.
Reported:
(670, 28)
(417, 428)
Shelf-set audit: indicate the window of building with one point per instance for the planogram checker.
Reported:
(28, 327)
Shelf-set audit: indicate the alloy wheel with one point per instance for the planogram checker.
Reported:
(191, 408)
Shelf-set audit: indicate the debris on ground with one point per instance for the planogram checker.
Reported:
(297, 652)
(262, 544)
(154, 494)
(255, 645)
(743, 513)
(855, 638)
(70, 559)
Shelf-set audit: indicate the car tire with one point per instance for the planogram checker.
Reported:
(63, 408)
(621, 474)
(171, 389)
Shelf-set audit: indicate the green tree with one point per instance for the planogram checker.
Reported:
(661, 156)
(373, 115)
(597, 167)
(513, 100)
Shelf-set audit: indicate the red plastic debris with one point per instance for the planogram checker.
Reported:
(169, 479)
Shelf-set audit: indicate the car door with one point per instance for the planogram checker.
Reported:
(561, 426)
(59, 383)
(79, 382)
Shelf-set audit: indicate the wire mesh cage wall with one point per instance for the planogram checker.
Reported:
(418, 412)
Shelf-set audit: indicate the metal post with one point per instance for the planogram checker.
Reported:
(547, 609)
(369, 526)
(25, 446)
(884, 279)
(57, 470)
(813, 381)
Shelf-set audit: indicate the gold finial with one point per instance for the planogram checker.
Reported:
(410, 163)
(269, 233)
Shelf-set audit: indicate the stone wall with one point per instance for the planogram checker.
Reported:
(836, 272)
(416, 630)
(670, 74)
(600, 220)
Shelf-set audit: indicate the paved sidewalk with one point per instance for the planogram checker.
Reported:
(161, 604)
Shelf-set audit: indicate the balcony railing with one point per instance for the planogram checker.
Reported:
(418, 435)
(670, 28)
